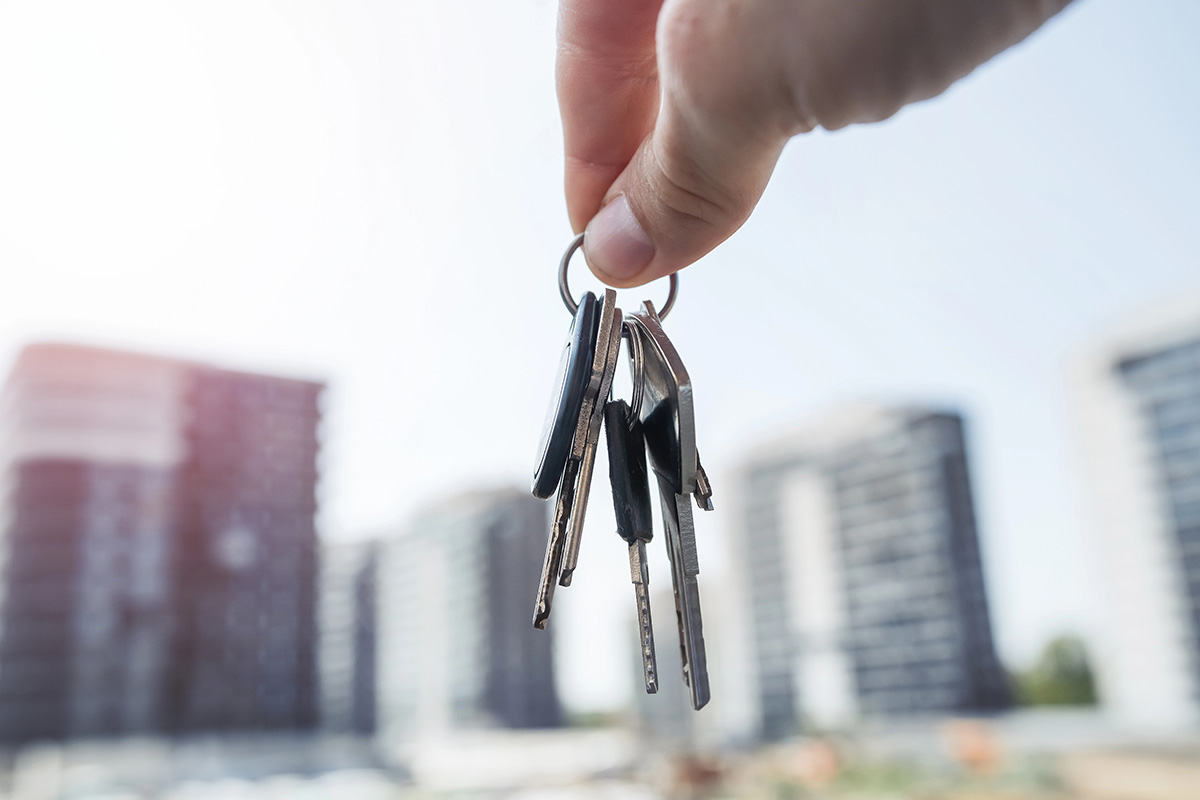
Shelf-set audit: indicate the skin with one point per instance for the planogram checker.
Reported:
(675, 113)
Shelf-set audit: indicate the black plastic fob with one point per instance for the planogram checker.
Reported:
(574, 371)
(627, 472)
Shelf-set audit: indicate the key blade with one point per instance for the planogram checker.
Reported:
(571, 544)
(640, 575)
(693, 623)
(554, 547)
(685, 567)
(610, 343)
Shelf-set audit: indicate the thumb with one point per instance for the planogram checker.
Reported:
(720, 129)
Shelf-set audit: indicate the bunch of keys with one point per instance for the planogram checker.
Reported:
(659, 421)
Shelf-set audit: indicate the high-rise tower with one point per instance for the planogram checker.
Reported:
(157, 519)
(1137, 398)
(864, 575)
(456, 645)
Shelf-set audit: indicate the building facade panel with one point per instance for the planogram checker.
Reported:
(906, 628)
(349, 610)
(1136, 399)
(159, 546)
(457, 649)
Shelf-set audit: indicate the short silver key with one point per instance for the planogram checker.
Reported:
(608, 349)
(635, 523)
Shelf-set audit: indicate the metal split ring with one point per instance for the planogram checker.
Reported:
(637, 368)
(565, 290)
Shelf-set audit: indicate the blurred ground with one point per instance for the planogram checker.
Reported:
(946, 760)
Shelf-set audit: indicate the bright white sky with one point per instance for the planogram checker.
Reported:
(369, 192)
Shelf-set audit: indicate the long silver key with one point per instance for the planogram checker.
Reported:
(635, 524)
(668, 417)
(581, 375)
(608, 348)
(554, 546)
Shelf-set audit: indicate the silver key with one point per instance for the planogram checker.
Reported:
(573, 478)
(665, 408)
(635, 521)
(685, 568)
(608, 349)
(639, 574)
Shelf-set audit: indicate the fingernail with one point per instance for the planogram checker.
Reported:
(615, 243)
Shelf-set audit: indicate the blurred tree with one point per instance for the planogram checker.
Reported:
(599, 719)
(1062, 676)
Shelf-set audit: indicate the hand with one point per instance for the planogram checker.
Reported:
(675, 112)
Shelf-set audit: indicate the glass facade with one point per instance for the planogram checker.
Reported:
(1165, 383)
(86, 619)
(903, 626)
(918, 629)
(160, 549)
(457, 648)
(349, 586)
(246, 570)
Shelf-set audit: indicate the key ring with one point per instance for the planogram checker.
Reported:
(637, 366)
(565, 290)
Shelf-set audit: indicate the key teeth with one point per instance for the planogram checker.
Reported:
(703, 491)
(650, 669)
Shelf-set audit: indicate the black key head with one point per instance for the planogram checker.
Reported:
(627, 472)
(574, 372)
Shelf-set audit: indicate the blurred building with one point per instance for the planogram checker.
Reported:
(157, 531)
(1138, 404)
(457, 647)
(861, 563)
(347, 635)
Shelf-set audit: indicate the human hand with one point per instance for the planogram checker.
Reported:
(675, 113)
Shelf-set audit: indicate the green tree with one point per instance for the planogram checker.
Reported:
(1062, 676)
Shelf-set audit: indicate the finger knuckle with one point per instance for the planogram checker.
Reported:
(691, 193)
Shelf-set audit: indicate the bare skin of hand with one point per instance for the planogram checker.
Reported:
(675, 112)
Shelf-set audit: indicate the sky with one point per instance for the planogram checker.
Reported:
(369, 192)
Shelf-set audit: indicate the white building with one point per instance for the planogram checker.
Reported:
(347, 616)
(1137, 399)
(860, 560)
(456, 644)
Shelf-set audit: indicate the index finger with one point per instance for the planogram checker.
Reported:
(607, 76)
